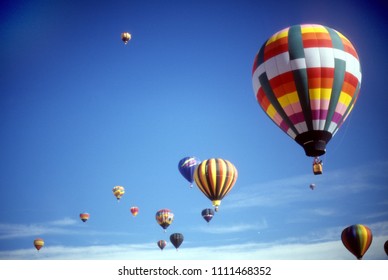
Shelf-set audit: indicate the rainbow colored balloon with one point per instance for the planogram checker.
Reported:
(307, 79)
(357, 239)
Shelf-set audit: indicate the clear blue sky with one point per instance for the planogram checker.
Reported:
(80, 112)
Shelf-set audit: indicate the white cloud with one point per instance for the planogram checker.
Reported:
(331, 185)
(320, 245)
(231, 229)
(329, 250)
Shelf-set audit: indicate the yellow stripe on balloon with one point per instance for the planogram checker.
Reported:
(288, 99)
(281, 34)
(345, 98)
(313, 29)
(271, 111)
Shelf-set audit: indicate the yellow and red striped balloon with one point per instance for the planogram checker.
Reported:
(357, 239)
(215, 177)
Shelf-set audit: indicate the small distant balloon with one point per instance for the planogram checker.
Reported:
(312, 186)
(176, 239)
(125, 37)
(134, 210)
(84, 216)
(164, 217)
(38, 243)
(162, 244)
(357, 239)
(207, 214)
(118, 192)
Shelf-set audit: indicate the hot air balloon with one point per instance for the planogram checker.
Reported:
(357, 239)
(134, 210)
(38, 243)
(118, 192)
(307, 79)
(84, 216)
(386, 247)
(162, 244)
(207, 214)
(215, 177)
(125, 37)
(164, 217)
(312, 186)
(176, 239)
(187, 166)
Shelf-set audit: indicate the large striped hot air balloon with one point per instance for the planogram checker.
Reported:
(357, 239)
(215, 177)
(307, 78)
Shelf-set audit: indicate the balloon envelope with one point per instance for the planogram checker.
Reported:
(38, 243)
(164, 217)
(134, 210)
(162, 244)
(307, 78)
(125, 37)
(84, 216)
(357, 239)
(118, 191)
(187, 166)
(207, 214)
(176, 239)
(215, 177)
(386, 247)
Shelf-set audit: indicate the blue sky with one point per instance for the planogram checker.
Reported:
(80, 112)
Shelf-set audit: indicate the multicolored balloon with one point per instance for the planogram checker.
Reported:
(118, 192)
(176, 239)
(125, 37)
(134, 210)
(307, 79)
(84, 216)
(162, 244)
(357, 239)
(187, 166)
(207, 214)
(38, 243)
(164, 217)
(215, 177)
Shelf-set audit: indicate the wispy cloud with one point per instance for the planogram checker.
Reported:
(65, 226)
(293, 189)
(329, 250)
(320, 245)
(231, 229)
